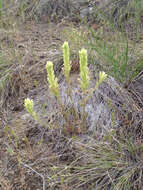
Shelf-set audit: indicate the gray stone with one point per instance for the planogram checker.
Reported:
(85, 9)
(109, 107)
(62, 8)
(86, 12)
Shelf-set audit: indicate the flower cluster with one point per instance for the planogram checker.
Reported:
(29, 105)
(84, 72)
(66, 57)
(102, 77)
(53, 84)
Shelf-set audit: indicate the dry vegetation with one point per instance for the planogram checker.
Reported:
(35, 157)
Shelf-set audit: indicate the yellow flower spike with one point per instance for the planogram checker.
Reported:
(53, 84)
(84, 72)
(102, 76)
(29, 105)
(66, 57)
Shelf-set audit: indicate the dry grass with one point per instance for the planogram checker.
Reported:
(27, 162)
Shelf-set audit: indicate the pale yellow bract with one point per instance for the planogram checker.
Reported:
(53, 84)
(84, 72)
(29, 105)
(66, 57)
(102, 76)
